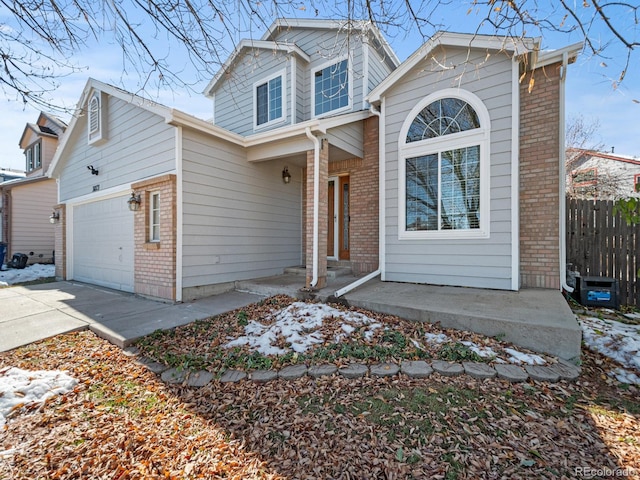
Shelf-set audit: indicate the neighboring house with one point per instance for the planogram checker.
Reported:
(10, 174)
(5, 175)
(602, 176)
(27, 202)
(443, 169)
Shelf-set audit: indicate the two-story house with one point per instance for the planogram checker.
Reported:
(27, 202)
(445, 168)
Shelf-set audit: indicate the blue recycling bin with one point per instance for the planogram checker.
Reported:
(3, 252)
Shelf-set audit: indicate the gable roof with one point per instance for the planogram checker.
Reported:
(485, 42)
(316, 24)
(170, 116)
(582, 153)
(40, 129)
(248, 44)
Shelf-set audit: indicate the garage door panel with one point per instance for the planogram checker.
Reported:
(103, 246)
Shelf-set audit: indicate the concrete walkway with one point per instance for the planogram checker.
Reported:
(32, 313)
(533, 318)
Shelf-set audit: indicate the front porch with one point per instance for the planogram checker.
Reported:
(539, 319)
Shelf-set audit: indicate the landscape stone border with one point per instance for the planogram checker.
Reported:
(562, 370)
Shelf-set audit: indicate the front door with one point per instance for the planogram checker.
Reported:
(338, 222)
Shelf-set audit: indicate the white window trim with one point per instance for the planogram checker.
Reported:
(458, 140)
(349, 105)
(282, 73)
(151, 239)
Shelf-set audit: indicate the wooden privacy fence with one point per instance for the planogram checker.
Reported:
(601, 244)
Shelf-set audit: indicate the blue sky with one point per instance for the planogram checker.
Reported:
(590, 90)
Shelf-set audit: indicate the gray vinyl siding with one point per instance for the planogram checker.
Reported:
(349, 138)
(240, 221)
(235, 95)
(139, 145)
(323, 46)
(378, 69)
(462, 262)
(303, 93)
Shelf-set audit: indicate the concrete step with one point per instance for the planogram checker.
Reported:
(332, 271)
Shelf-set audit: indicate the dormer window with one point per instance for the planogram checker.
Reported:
(29, 154)
(269, 101)
(331, 88)
(37, 156)
(34, 157)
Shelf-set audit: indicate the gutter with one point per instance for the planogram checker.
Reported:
(563, 179)
(316, 199)
(361, 281)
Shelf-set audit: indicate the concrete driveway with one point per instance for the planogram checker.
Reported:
(32, 313)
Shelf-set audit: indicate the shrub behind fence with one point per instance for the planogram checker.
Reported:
(600, 243)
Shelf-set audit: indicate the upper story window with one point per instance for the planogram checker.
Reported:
(444, 168)
(636, 182)
(269, 101)
(37, 156)
(29, 154)
(331, 88)
(34, 157)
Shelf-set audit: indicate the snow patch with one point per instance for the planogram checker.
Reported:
(616, 340)
(22, 388)
(519, 357)
(28, 274)
(484, 352)
(437, 338)
(297, 326)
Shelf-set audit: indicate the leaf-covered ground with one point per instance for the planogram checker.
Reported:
(319, 334)
(122, 422)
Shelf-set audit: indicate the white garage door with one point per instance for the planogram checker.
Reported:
(103, 244)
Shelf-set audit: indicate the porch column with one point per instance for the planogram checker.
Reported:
(322, 215)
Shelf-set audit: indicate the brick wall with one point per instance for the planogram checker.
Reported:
(60, 242)
(540, 179)
(364, 202)
(155, 262)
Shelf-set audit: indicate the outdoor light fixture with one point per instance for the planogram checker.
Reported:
(286, 176)
(55, 217)
(134, 202)
(94, 171)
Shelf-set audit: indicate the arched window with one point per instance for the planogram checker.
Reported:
(444, 167)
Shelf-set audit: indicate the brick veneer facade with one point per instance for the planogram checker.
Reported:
(364, 201)
(540, 180)
(322, 214)
(155, 262)
(60, 242)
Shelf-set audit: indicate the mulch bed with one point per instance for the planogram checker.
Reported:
(122, 422)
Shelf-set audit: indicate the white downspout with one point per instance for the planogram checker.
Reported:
(378, 271)
(316, 198)
(563, 179)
